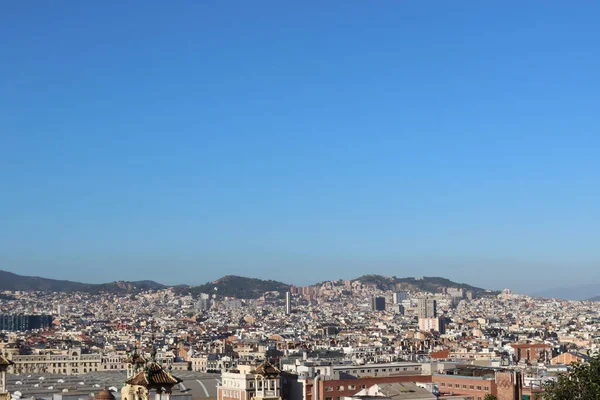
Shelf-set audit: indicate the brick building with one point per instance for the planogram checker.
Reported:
(568, 358)
(478, 382)
(346, 380)
(532, 352)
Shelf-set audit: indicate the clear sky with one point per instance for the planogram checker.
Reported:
(301, 141)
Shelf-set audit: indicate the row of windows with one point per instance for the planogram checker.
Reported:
(470, 387)
(85, 370)
(341, 388)
(78, 364)
(54, 360)
(385, 370)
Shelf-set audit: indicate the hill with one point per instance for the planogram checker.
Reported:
(582, 292)
(431, 284)
(229, 285)
(595, 298)
(236, 286)
(14, 282)
(11, 281)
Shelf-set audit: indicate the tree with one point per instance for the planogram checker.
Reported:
(582, 382)
(490, 397)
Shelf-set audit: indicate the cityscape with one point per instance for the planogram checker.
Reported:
(299, 200)
(343, 339)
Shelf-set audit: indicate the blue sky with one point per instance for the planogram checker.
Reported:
(301, 142)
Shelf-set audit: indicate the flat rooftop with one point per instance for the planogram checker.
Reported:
(199, 385)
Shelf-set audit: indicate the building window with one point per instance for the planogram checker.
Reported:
(456, 385)
(329, 388)
(351, 387)
(328, 398)
(478, 387)
(443, 384)
(486, 388)
(464, 386)
(339, 388)
(363, 386)
(471, 387)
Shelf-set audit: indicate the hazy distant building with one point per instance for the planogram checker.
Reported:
(432, 324)
(399, 297)
(399, 309)
(61, 310)
(203, 303)
(377, 303)
(288, 303)
(24, 322)
(232, 303)
(409, 304)
(329, 330)
(427, 308)
(456, 292)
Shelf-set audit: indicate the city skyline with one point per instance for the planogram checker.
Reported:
(573, 293)
(301, 143)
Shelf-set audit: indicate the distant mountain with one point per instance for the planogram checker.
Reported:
(236, 286)
(11, 281)
(14, 282)
(431, 284)
(595, 298)
(230, 285)
(128, 287)
(582, 292)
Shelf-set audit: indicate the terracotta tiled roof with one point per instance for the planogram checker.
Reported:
(266, 369)
(153, 375)
(105, 395)
(442, 354)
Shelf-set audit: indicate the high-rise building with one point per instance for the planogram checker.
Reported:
(288, 303)
(204, 302)
(427, 308)
(61, 310)
(399, 309)
(24, 322)
(432, 324)
(377, 303)
(400, 296)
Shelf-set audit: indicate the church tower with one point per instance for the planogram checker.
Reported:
(135, 363)
(147, 378)
(266, 382)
